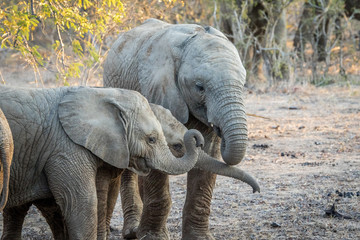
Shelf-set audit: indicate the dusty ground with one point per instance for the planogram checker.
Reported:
(306, 157)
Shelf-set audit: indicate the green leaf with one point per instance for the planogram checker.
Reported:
(77, 48)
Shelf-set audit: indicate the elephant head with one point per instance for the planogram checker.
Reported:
(174, 130)
(119, 127)
(188, 69)
(6, 154)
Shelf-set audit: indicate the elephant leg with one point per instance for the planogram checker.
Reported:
(102, 189)
(113, 194)
(157, 204)
(196, 210)
(52, 213)
(13, 219)
(131, 203)
(72, 182)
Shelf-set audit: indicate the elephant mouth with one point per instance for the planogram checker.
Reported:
(138, 166)
(216, 129)
(218, 132)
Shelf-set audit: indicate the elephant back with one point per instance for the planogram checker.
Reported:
(33, 120)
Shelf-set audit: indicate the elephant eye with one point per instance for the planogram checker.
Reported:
(152, 140)
(200, 87)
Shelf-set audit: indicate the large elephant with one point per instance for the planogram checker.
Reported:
(197, 74)
(64, 137)
(6, 155)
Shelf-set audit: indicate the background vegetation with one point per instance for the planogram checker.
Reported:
(281, 42)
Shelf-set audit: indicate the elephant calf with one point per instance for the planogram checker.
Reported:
(64, 136)
(196, 73)
(154, 188)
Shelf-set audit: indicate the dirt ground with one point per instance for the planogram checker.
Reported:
(304, 149)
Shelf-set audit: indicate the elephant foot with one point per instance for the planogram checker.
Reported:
(129, 231)
(114, 232)
(150, 235)
(194, 236)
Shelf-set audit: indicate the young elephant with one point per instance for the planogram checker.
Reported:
(196, 73)
(150, 185)
(64, 136)
(6, 154)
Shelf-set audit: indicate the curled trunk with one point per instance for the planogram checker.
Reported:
(171, 165)
(6, 154)
(210, 164)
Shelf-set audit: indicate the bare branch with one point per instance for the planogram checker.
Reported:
(214, 15)
(2, 79)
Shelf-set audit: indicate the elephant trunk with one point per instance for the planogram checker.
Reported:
(6, 154)
(231, 125)
(171, 165)
(210, 164)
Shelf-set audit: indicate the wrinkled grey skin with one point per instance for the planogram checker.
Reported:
(6, 155)
(63, 137)
(197, 74)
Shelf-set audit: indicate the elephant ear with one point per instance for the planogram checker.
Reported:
(94, 120)
(159, 61)
(163, 91)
